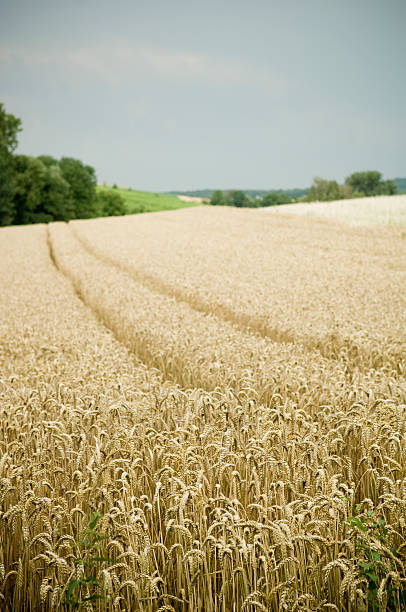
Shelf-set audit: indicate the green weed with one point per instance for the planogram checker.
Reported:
(377, 562)
(87, 587)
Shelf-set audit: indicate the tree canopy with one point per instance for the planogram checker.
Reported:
(274, 198)
(217, 198)
(42, 189)
(323, 190)
(9, 128)
(111, 203)
(370, 183)
(236, 197)
(82, 181)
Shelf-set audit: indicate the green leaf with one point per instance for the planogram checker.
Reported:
(94, 519)
(358, 524)
(365, 566)
(375, 555)
(71, 586)
(79, 561)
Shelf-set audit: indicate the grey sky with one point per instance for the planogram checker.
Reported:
(174, 94)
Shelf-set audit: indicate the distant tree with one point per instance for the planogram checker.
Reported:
(57, 202)
(217, 198)
(346, 192)
(7, 210)
(48, 160)
(323, 190)
(82, 181)
(9, 128)
(41, 193)
(236, 198)
(370, 183)
(274, 198)
(29, 181)
(111, 203)
(388, 188)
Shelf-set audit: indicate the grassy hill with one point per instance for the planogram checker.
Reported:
(146, 201)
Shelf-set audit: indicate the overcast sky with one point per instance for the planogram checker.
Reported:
(179, 94)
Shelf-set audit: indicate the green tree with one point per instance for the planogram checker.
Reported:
(217, 198)
(346, 192)
(274, 198)
(111, 203)
(48, 160)
(56, 202)
(7, 210)
(323, 190)
(82, 181)
(9, 128)
(29, 181)
(370, 183)
(41, 193)
(236, 198)
(388, 188)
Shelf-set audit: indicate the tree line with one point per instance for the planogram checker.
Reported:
(237, 197)
(358, 184)
(43, 189)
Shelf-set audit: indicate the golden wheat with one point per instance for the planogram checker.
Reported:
(227, 465)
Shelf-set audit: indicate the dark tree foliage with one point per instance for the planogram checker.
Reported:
(48, 160)
(236, 197)
(57, 202)
(111, 204)
(9, 128)
(41, 192)
(217, 198)
(7, 209)
(274, 198)
(370, 183)
(82, 181)
(388, 188)
(29, 181)
(323, 190)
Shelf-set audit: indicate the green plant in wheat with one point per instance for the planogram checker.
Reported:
(377, 562)
(86, 587)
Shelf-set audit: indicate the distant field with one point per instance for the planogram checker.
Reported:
(381, 210)
(146, 201)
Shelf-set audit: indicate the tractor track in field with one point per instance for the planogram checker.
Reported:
(332, 346)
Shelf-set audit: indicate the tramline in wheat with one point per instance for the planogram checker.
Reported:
(201, 419)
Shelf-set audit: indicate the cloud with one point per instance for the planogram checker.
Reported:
(114, 62)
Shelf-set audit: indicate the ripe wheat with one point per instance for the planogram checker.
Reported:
(234, 469)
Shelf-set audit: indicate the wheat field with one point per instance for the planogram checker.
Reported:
(203, 410)
(371, 211)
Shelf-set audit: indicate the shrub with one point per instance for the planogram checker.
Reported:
(111, 204)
